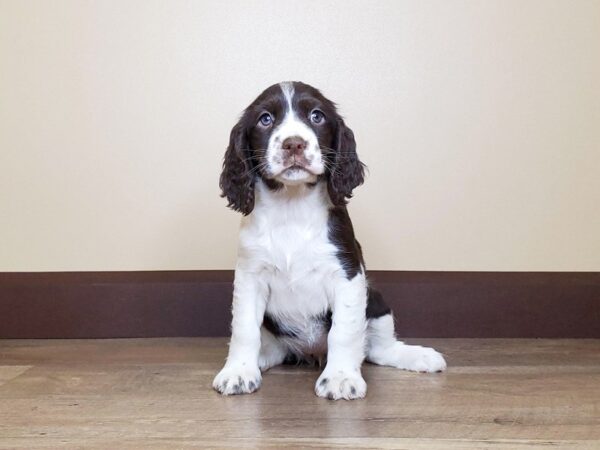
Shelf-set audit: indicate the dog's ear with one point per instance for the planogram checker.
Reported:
(346, 172)
(237, 179)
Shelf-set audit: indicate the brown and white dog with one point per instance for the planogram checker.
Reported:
(300, 290)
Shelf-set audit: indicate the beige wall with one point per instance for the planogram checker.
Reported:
(479, 121)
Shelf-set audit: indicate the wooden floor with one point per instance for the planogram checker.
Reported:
(156, 394)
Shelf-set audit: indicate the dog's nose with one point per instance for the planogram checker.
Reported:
(294, 145)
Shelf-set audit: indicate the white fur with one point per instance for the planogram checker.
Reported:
(288, 268)
(272, 351)
(385, 350)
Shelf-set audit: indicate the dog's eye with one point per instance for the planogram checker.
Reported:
(317, 117)
(265, 120)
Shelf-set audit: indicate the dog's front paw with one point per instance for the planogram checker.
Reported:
(335, 385)
(237, 380)
(422, 359)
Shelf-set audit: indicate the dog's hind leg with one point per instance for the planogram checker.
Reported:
(384, 349)
(272, 350)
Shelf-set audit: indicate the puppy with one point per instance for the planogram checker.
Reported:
(300, 290)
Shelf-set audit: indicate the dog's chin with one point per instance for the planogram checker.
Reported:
(296, 175)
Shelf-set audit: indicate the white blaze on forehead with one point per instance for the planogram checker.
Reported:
(287, 87)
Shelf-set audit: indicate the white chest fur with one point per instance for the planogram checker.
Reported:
(285, 243)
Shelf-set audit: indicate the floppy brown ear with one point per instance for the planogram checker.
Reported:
(237, 180)
(347, 172)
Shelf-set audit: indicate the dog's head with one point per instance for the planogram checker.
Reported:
(291, 134)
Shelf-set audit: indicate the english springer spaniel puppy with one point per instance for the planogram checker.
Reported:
(301, 291)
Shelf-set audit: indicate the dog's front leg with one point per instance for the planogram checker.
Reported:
(241, 374)
(346, 342)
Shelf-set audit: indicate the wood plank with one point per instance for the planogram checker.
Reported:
(155, 393)
(7, 373)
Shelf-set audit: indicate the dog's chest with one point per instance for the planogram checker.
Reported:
(299, 261)
(300, 267)
(295, 258)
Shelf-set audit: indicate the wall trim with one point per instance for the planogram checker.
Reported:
(197, 303)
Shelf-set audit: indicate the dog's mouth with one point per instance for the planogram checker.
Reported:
(295, 169)
(295, 173)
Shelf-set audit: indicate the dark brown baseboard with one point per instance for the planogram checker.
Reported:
(197, 303)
